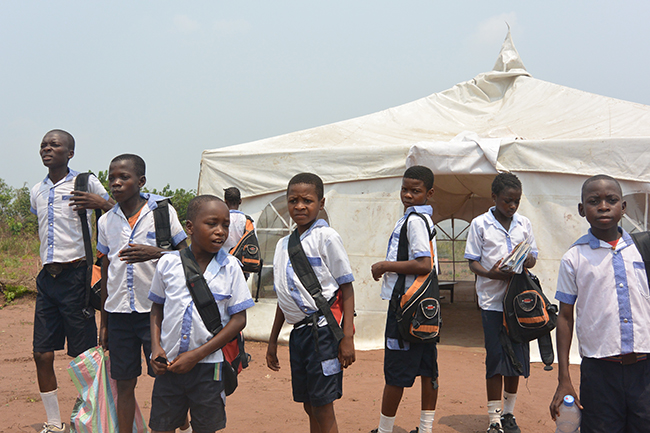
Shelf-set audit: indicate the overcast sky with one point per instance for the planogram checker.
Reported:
(167, 80)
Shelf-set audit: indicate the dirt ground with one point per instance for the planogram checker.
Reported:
(263, 402)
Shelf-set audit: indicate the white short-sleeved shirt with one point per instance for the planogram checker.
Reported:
(324, 249)
(182, 327)
(236, 229)
(59, 226)
(609, 288)
(418, 238)
(128, 284)
(487, 243)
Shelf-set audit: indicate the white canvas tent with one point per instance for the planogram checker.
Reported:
(551, 136)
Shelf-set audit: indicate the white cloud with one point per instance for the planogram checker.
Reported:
(493, 30)
(232, 27)
(185, 24)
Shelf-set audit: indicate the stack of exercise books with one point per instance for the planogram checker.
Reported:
(514, 261)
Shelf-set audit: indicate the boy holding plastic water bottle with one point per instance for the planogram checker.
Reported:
(603, 275)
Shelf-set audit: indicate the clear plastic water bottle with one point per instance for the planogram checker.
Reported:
(569, 419)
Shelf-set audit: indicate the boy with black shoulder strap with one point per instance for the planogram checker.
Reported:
(187, 349)
(313, 282)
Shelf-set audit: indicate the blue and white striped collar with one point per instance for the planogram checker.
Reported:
(493, 220)
(236, 211)
(423, 209)
(318, 223)
(152, 200)
(69, 176)
(594, 242)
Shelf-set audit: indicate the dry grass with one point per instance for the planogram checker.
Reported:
(19, 264)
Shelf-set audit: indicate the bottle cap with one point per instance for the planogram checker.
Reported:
(568, 400)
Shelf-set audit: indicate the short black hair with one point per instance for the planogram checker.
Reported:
(195, 205)
(66, 135)
(596, 178)
(309, 179)
(420, 172)
(232, 196)
(503, 181)
(138, 163)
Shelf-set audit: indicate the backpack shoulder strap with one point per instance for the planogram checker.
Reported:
(81, 184)
(201, 294)
(308, 278)
(642, 242)
(161, 221)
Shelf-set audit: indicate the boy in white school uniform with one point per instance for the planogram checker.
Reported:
(178, 334)
(127, 240)
(603, 275)
(316, 356)
(61, 284)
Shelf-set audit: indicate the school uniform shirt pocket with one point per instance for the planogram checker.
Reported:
(331, 366)
(642, 278)
(393, 344)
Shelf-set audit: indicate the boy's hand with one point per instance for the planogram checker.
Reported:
(157, 366)
(272, 357)
(346, 352)
(530, 261)
(103, 336)
(562, 390)
(497, 273)
(139, 253)
(378, 269)
(86, 200)
(183, 363)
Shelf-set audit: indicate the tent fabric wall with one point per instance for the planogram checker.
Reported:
(551, 136)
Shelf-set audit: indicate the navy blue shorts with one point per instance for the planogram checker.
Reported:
(197, 391)
(128, 335)
(316, 377)
(496, 358)
(59, 313)
(615, 397)
(403, 364)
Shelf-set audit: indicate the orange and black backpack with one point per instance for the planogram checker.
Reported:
(247, 249)
(417, 308)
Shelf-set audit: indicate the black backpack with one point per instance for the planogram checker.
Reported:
(528, 315)
(417, 308)
(247, 249)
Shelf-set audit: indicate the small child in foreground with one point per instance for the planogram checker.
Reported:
(604, 276)
(185, 356)
(491, 237)
(403, 363)
(316, 356)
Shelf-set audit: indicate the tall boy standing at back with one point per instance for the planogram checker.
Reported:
(604, 276)
(403, 363)
(492, 236)
(61, 284)
(315, 353)
(127, 239)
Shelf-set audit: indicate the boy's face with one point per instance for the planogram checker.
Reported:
(123, 181)
(304, 205)
(55, 150)
(602, 205)
(414, 193)
(507, 201)
(209, 230)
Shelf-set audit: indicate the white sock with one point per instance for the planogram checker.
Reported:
(189, 430)
(426, 421)
(509, 402)
(494, 411)
(386, 424)
(51, 403)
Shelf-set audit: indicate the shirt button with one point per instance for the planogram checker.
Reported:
(184, 337)
(615, 252)
(625, 320)
(620, 285)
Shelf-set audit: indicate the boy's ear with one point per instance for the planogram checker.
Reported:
(70, 154)
(494, 197)
(623, 206)
(142, 181)
(430, 193)
(322, 204)
(581, 210)
(189, 227)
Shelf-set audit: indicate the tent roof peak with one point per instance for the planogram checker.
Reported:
(508, 59)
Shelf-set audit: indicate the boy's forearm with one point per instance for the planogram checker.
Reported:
(347, 294)
(155, 321)
(419, 266)
(278, 321)
(564, 335)
(104, 291)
